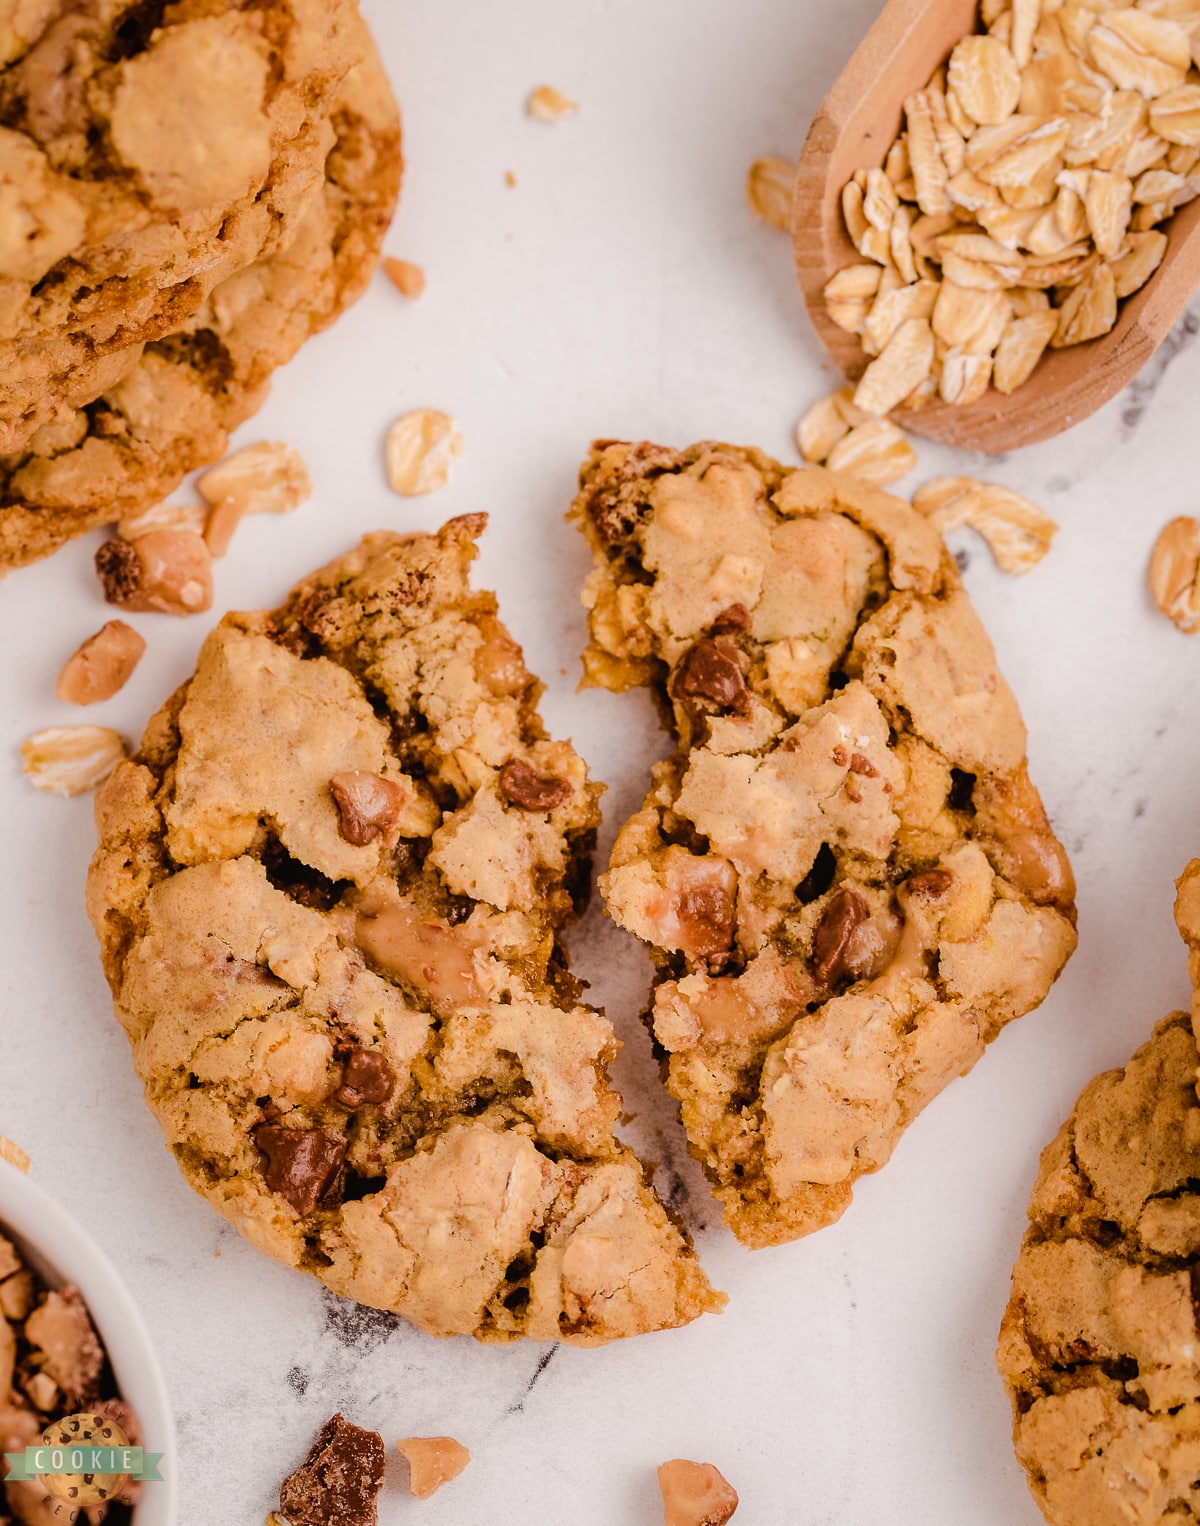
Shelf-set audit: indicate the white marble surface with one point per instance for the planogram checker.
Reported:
(622, 289)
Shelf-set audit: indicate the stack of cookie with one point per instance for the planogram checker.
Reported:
(189, 191)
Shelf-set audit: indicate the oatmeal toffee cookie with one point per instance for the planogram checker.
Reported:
(147, 152)
(1099, 1347)
(329, 893)
(174, 409)
(846, 877)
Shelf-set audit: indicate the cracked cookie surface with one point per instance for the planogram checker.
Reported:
(329, 893)
(1099, 1347)
(174, 408)
(147, 152)
(845, 875)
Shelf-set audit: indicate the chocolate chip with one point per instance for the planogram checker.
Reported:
(339, 1481)
(819, 878)
(119, 571)
(367, 1078)
(1194, 1276)
(705, 915)
(367, 805)
(962, 786)
(711, 671)
(522, 786)
(843, 913)
(931, 882)
(304, 1166)
(735, 618)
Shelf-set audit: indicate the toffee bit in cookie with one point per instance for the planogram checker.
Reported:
(169, 571)
(432, 1462)
(407, 278)
(525, 788)
(695, 1494)
(845, 911)
(710, 670)
(367, 1077)
(304, 1166)
(368, 804)
(65, 1346)
(102, 665)
(930, 882)
(338, 1483)
(875, 740)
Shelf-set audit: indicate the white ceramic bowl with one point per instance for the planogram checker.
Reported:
(59, 1251)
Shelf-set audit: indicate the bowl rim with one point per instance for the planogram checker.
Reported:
(61, 1251)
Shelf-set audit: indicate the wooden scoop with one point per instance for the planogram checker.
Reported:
(857, 123)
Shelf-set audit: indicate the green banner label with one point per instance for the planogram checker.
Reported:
(68, 1461)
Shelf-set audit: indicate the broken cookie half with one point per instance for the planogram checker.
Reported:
(329, 892)
(845, 875)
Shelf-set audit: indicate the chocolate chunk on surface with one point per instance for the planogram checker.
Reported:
(338, 1483)
(367, 1077)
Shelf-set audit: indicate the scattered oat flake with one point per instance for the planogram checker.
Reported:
(1017, 532)
(70, 760)
(14, 1155)
(407, 278)
(163, 516)
(878, 453)
(267, 478)
(769, 184)
(1175, 573)
(820, 429)
(547, 104)
(420, 449)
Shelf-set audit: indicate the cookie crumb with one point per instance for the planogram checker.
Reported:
(407, 278)
(695, 1494)
(102, 664)
(432, 1462)
(547, 104)
(510, 179)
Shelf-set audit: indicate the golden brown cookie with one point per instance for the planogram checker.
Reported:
(845, 875)
(147, 152)
(330, 891)
(1099, 1348)
(174, 408)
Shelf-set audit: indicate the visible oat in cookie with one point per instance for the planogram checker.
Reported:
(845, 874)
(329, 892)
(1099, 1347)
